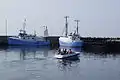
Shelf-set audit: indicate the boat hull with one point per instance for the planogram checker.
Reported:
(67, 56)
(12, 41)
(66, 41)
(71, 44)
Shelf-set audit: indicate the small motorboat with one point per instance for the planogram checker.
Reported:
(67, 55)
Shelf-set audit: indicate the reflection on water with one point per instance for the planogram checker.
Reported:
(64, 64)
(23, 53)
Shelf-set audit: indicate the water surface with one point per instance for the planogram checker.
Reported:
(31, 63)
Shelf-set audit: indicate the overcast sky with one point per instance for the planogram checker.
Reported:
(99, 18)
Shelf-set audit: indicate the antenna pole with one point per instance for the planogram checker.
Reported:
(24, 24)
(6, 26)
(66, 25)
(77, 21)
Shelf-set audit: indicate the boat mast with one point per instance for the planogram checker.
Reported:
(77, 21)
(24, 24)
(66, 26)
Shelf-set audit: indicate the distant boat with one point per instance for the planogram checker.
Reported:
(27, 39)
(72, 40)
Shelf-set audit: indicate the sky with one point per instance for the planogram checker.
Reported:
(98, 18)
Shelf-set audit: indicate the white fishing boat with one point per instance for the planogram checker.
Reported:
(72, 40)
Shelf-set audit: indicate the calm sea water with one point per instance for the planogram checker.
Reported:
(30, 63)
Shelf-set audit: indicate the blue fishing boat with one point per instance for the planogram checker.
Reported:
(27, 39)
(71, 40)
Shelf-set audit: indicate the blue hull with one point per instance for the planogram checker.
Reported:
(12, 41)
(71, 44)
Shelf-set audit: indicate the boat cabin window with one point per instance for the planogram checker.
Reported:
(70, 34)
(23, 37)
(22, 34)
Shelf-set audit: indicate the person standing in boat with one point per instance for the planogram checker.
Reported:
(64, 51)
(59, 51)
(70, 51)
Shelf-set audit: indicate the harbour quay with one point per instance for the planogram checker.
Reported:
(107, 43)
